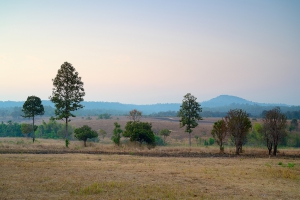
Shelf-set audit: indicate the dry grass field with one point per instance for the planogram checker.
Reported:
(85, 176)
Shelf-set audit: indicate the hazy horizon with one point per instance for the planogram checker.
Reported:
(148, 52)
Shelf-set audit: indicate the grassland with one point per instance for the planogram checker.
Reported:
(84, 176)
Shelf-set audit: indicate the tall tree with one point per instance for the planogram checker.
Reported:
(135, 115)
(275, 123)
(219, 133)
(67, 93)
(32, 107)
(190, 114)
(239, 125)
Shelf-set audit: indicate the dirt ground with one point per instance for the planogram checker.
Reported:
(84, 176)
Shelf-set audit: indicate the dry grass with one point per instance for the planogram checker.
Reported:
(83, 176)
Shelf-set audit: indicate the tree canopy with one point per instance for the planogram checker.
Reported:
(85, 132)
(140, 132)
(67, 93)
(32, 107)
(219, 132)
(190, 113)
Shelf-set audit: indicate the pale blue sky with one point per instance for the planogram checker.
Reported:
(146, 52)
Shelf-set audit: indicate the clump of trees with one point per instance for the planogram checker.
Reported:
(117, 134)
(190, 114)
(53, 130)
(85, 132)
(139, 132)
(67, 93)
(165, 133)
(104, 116)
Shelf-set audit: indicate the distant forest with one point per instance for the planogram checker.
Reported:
(13, 109)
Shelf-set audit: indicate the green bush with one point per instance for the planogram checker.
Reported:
(159, 141)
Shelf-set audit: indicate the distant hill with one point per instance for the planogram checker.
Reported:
(217, 106)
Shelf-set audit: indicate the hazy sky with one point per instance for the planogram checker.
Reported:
(149, 51)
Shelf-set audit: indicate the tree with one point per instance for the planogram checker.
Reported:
(117, 133)
(26, 129)
(32, 107)
(190, 114)
(67, 93)
(238, 125)
(275, 124)
(135, 115)
(165, 133)
(102, 133)
(294, 124)
(219, 133)
(265, 133)
(139, 132)
(85, 132)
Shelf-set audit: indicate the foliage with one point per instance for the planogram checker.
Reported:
(219, 132)
(27, 128)
(32, 107)
(10, 129)
(165, 133)
(85, 132)
(104, 116)
(293, 125)
(159, 141)
(135, 115)
(67, 93)
(255, 138)
(275, 123)
(238, 126)
(117, 133)
(53, 130)
(102, 133)
(140, 132)
(67, 143)
(189, 113)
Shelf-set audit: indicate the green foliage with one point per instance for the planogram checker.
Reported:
(255, 138)
(27, 128)
(189, 113)
(10, 129)
(67, 93)
(238, 126)
(32, 107)
(165, 133)
(294, 125)
(67, 142)
(219, 132)
(159, 141)
(85, 132)
(53, 130)
(104, 116)
(140, 132)
(117, 133)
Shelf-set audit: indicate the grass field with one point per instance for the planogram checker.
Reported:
(83, 176)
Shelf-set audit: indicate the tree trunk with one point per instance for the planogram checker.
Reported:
(241, 149)
(33, 136)
(66, 131)
(190, 140)
(270, 149)
(85, 143)
(237, 150)
(275, 150)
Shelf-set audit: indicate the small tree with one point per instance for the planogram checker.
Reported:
(135, 115)
(32, 107)
(117, 133)
(67, 93)
(294, 125)
(238, 125)
(139, 132)
(219, 133)
(275, 124)
(102, 133)
(165, 133)
(85, 132)
(190, 114)
(26, 129)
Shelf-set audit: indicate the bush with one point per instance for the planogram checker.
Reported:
(140, 132)
(159, 141)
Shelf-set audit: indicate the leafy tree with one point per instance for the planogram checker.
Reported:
(165, 133)
(117, 133)
(102, 133)
(275, 123)
(32, 107)
(67, 93)
(238, 125)
(294, 125)
(140, 132)
(190, 114)
(27, 128)
(85, 132)
(135, 115)
(219, 133)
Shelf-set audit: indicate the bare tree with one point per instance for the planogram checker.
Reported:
(275, 124)
(135, 115)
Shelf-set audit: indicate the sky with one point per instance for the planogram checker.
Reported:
(147, 52)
